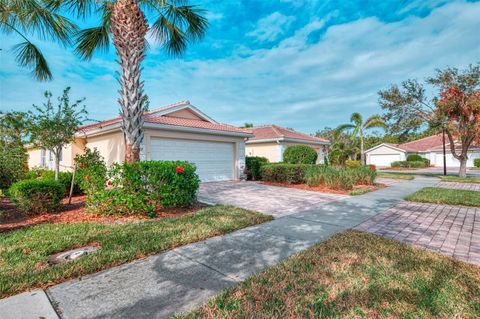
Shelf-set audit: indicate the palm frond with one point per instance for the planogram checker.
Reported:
(342, 128)
(356, 118)
(29, 56)
(375, 121)
(178, 25)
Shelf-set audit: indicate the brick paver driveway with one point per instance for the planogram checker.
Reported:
(450, 230)
(276, 201)
(466, 186)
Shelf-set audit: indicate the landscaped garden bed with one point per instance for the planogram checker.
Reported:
(354, 275)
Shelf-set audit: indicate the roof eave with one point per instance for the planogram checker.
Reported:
(283, 139)
(190, 129)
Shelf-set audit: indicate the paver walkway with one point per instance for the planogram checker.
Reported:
(180, 279)
(466, 186)
(453, 231)
(272, 200)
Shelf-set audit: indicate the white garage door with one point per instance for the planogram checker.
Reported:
(452, 161)
(383, 160)
(214, 160)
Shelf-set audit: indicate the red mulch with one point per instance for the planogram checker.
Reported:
(11, 218)
(320, 188)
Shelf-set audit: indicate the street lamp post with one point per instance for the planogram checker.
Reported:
(444, 151)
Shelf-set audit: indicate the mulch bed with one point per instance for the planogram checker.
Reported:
(11, 218)
(322, 188)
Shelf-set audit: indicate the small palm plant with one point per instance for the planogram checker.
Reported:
(358, 128)
(34, 18)
(176, 25)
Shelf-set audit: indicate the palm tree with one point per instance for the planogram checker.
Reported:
(176, 25)
(28, 18)
(358, 126)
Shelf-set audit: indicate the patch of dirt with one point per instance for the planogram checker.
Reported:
(11, 218)
(322, 188)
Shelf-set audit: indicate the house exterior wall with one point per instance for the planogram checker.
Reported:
(68, 155)
(272, 151)
(110, 145)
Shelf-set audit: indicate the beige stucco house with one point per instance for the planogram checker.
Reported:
(178, 131)
(270, 141)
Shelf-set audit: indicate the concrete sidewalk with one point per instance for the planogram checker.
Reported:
(178, 280)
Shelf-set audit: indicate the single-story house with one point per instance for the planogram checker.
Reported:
(178, 131)
(429, 147)
(270, 141)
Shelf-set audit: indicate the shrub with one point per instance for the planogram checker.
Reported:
(36, 196)
(65, 179)
(34, 173)
(426, 161)
(300, 154)
(352, 164)
(91, 171)
(339, 178)
(284, 173)
(414, 158)
(409, 164)
(142, 186)
(476, 162)
(13, 162)
(253, 165)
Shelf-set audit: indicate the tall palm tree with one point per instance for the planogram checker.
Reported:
(359, 126)
(176, 24)
(34, 18)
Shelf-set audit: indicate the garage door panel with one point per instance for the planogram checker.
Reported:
(214, 160)
(383, 159)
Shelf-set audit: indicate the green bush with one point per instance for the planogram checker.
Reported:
(410, 164)
(300, 154)
(414, 158)
(253, 165)
(142, 186)
(426, 161)
(284, 173)
(91, 171)
(64, 178)
(36, 196)
(339, 178)
(13, 161)
(476, 162)
(34, 173)
(352, 164)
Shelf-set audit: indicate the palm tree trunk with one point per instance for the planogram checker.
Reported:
(129, 27)
(362, 153)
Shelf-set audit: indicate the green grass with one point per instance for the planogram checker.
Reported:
(457, 179)
(354, 275)
(24, 252)
(447, 196)
(404, 176)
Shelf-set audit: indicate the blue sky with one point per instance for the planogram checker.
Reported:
(303, 64)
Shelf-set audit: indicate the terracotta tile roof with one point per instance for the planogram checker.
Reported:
(277, 132)
(93, 126)
(423, 144)
(176, 121)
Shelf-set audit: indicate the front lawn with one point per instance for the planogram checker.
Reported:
(354, 275)
(447, 196)
(24, 252)
(457, 179)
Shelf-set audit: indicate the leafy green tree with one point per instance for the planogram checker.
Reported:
(358, 128)
(455, 107)
(29, 18)
(13, 155)
(247, 125)
(52, 127)
(123, 22)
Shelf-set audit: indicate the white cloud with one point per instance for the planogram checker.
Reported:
(271, 27)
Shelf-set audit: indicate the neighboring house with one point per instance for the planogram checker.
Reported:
(429, 147)
(178, 131)
(270, 141)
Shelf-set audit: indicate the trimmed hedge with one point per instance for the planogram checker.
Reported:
(300, 154)
(36, 196)
(409, 164)
(315, 175)
(142, 187)
(64, 178)
(414, 158)
(253, 166)
(476, 162)
(284, 173)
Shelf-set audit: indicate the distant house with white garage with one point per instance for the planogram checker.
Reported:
(430, 147)
(270, 141)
